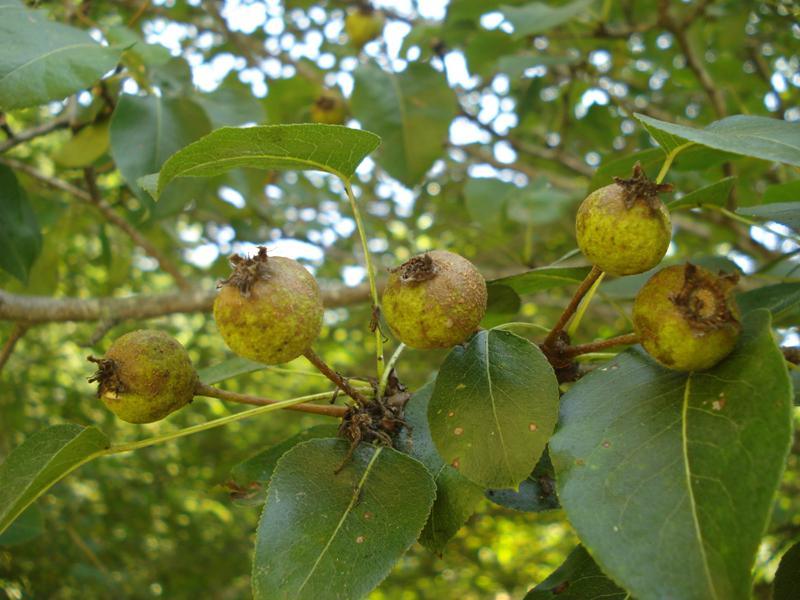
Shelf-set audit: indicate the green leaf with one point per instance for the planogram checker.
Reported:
(290, 100)
(20, 238)
(328, 535)
(456, 496)
(330, 148)
(787, 578)
(715, 194)
(501, 307)
(494, 406)
(40, 461)
(650, 459)
(253, 475)
(227, 369)
(28, 526)
(784, 192)
(760, 137)
(486, 199)
(578, 578)
(787, 213)
(41, 60)
(232, 103)
(543, 278)
(515, 65)
(84, 148)
(780, 299)
(537, 17)
(411, 111)
(536, 494)
(146, 130)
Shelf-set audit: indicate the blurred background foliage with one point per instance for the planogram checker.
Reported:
(495, 117)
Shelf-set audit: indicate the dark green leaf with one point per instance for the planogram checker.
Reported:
(515, 65)
(787, 578)
(411, 111)
(536, 494)
(578, 578)
(543, 278)
(233, 367)
(715, 194)
(760, 137)
(251, 476)
(146, 130)
(20, 238)
(328, 535)
(779, 299)
(502, 306)
(331, 148)
(456, 496)
(41, 60)
(486, 199)
(42, 460)
(537, 17)
(28, 526)
(493, 408)
(787, 213)
(649, 459)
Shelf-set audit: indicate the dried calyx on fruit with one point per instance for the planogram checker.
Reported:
(362, 25)
(269, 309)
(434, 300)
(144, 376)
(686, 317)
(329, 109)
(624, 228)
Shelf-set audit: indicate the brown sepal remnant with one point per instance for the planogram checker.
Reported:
(106, 376)
(378, 421)
(639, 186)
(326, 102)
(247, 271)
(416, 269)
(705, 301)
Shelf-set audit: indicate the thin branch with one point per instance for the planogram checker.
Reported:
(34, 132)
(620, 340)
(210, 391)
(340, 381)
(43, 309)
(584, 287)
(93, 198)
(17, 332)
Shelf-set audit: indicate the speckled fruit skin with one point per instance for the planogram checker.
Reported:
(621, 240)
(279, 319)
(361, 27)
(439, 312)
(668, 336)
(156, 375)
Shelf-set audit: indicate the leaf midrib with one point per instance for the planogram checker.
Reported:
(356, 495)
(45, 55)
(690, 489)
(494, 410)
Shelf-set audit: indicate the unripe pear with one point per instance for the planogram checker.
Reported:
(434, 300)
(329, 109)
(144, 376)
(624, 228)
(270, 309)
(363, 25)
(686, 317)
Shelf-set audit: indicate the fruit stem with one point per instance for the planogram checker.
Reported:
(583, 288)
(389, 366)
(210, 391)
(373, 288)
(340, 381)
(620, 340)
(293, 402)
(671, 156)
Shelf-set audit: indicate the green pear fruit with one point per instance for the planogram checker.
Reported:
(434, 300)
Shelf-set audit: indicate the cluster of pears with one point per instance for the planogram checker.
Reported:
(684, 316)
(270, 310)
